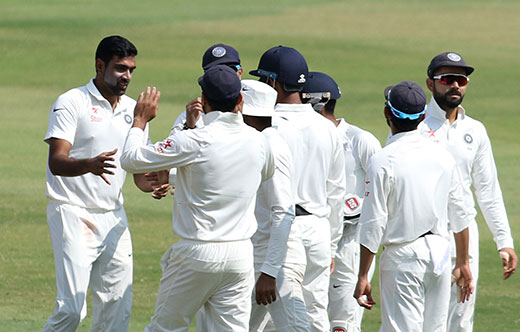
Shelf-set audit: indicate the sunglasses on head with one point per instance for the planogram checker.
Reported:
(448, 79)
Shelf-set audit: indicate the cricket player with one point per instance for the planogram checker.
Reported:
(220, 168)
(319, 176)
(466, 139)
(412, 187)
(322, 92)
(87, 222)
(278, 247)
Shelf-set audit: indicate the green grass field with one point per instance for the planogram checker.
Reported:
(47, 47)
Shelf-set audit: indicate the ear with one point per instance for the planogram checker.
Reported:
(429, 84)
(240, 103)
(388, 114)
(100, 66)
(240, 72)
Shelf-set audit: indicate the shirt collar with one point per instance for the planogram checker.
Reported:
(95, 92)
(402, 135)
(343, 125)
(437, 112)
(293, 107)
(225, 117)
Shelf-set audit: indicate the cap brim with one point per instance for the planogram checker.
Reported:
(219, 62)
(254, 73)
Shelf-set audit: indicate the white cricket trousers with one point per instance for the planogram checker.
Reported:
(460, 315)
(344, 312)
(316, 241)
(217, 277)
(91, 248)
(288, 312)
(413, 299)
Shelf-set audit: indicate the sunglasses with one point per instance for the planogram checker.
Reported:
(448, 79)
(235, 67)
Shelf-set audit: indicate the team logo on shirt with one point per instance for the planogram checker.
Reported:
(352, 203)
(338, 329)
(218, 52)
(468, 139)
(128, 119)
(454, 57)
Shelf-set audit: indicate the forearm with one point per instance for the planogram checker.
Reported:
(365, 261)
(63, 165)
(462, 244)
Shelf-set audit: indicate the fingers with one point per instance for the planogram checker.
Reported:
(509, 262)
(105, 178)
(265, 297)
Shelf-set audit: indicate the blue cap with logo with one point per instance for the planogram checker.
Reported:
(448, 59)
(321, 83)
(283, 64)
(406, 100)
(220, 54)
(220, 83)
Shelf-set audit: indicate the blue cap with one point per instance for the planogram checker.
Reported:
(321, 83)
(448, 59)
(220, 83)
(283, 64)
(220, 54)
(406, 100)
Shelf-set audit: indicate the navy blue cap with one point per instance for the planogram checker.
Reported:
(220, 54)
(283, 64)
(321, 83)
(220, 83)
(448, 59)
(406, 97)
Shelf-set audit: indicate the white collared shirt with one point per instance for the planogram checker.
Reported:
(219, 170)
(84, 118)
(274, 210)
(467, 140)
(412, 187)
(319, 163)
(358, 145)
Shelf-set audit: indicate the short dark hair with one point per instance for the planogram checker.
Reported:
(330, 106)
(403, 125)
(115, 46)
(226, 106)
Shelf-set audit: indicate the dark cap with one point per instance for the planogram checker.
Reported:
(448, 59)
(406, 97)
(321, 83)
(283, 64)
(220, 54)
(220, 84)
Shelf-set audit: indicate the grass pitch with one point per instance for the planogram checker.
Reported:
(48, 47)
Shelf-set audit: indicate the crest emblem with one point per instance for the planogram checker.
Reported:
(218, 52)
(352, 203)
(128, 119)
(454, 57)
(468, 139)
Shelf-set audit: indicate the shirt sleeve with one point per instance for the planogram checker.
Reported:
(489, 194)
(457, 212)
(63, 119)
(368, 146)
(336, 191)
(277, 190)
(374, 214)
(174, 151)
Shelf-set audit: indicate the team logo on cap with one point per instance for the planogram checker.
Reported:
(302, 80)
(128, 119)
(468, 139)
(218, 52)
(338, 329)
(454, 57)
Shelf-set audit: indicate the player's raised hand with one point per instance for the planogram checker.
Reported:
(146, 107)
(101, 164)
(193, 112)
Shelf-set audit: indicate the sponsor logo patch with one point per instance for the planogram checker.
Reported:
(302, 79)
(338, 329)
(352, 203)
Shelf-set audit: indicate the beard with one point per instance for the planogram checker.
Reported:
(117, 86)
(446, 100)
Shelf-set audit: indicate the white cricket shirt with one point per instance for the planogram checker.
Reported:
(274, 210)
(84, 118)
(319, 163)
(358, 145)
(467, 140)
(412, 187)
(219, 170)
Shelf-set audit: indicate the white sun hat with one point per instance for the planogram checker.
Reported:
(259, 98)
